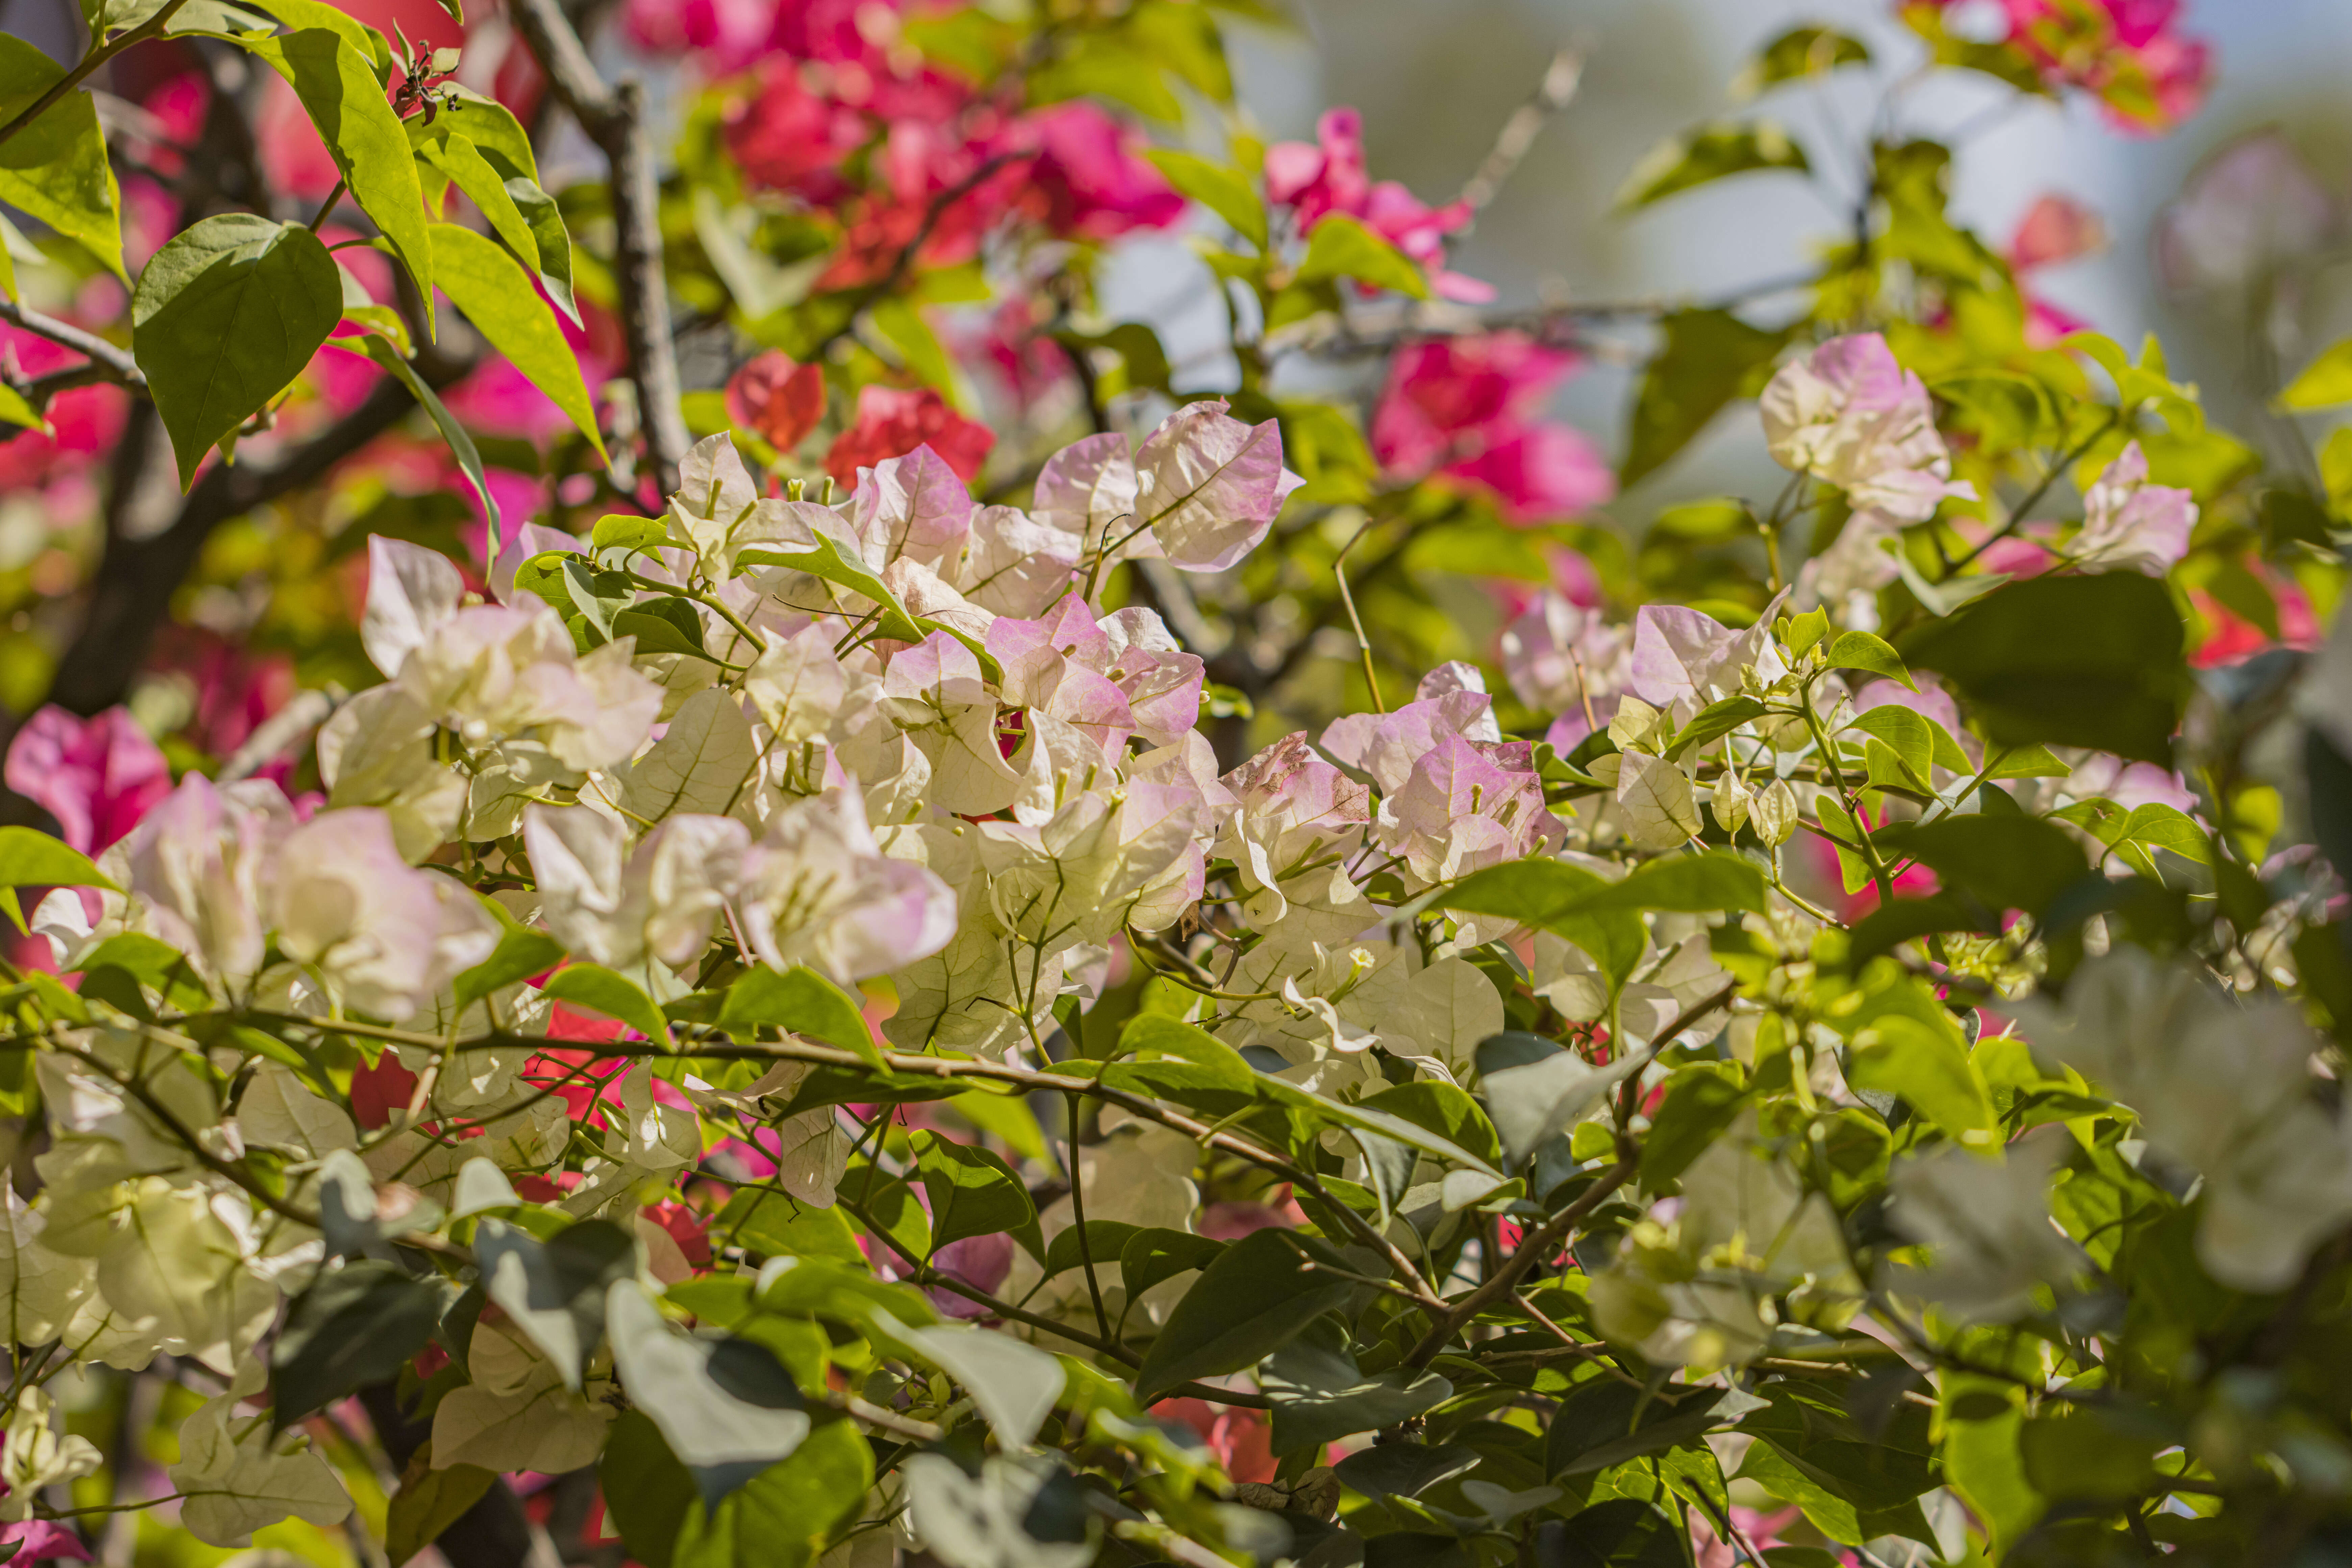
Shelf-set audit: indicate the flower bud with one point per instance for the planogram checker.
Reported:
(1775, 811)
(1730, 801)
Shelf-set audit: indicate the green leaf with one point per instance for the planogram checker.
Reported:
(1340, 246)
(1320, 1395)
(1071, 1243)
(1705, 359)
(1866, 651)
(1013, 1384)
(551, 241)
(798, 1001)
(787, 1514)
(355, 1325)
(1702, 1099)
(15, 410)
(1152, 1254)
(338, 88)
(56, 169)
(428, 1502)
(1625, 1532)
(598, 989)
(496, 294)
(521, 953)
(2003, 862)
(719, 1403)
(555, 1290)
(828, 562)
(1713, 723)
(1929, 1066)
(971, 1192)
(658, 632)
(485, 187)
(1605, 1421)
(30, 858)
(1706, 153)
(648, 1492)
(2324, 382)
(777, 1225)
(225, 316)
(1246, 1305)
(2071, 661)
(1793, 55)
(461, 445)
(1920, 741)
(1216, 188)
(371, 44)
(1443, 1109)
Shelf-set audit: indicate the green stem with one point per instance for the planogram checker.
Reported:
(328, 206)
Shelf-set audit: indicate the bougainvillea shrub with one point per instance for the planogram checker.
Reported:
(702, 872)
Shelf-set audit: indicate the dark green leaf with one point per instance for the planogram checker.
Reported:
(798, 1001)
(1623, 1532)
(1404, 1469)
(1246, 1304)
(1152, 1255)
(1705, 359)
(429, 1502)
(2003, 862)
(56, 169)
(1707, 154)
(2074, 661)
(496, 294)
(786, 1515)
(776, 1226)
(1702, 1099)
(1340, 246)
(647, 1493)
(225, 316)
(355, 1325)
(1320, 1396)
(1605, 1421)
(521, 953)
(972, 1192)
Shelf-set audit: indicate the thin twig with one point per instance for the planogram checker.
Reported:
(1527, 122)
(111, 362)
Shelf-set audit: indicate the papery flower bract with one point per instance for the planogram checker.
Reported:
(1988, 1223)
(1851, 417)
(2129, 524)
(1211, 486)
(96, 776)
(201, 865)
(817, 889)
(387, 937)
(2250, 207)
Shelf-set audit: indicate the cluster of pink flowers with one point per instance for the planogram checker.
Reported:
(1316, 179)
(1470, 408)
(840, 111)
(2130, 54)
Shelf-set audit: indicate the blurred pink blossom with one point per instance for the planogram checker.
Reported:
(1467, 408)
(1316, 180)
(893, 421)
(96, 776)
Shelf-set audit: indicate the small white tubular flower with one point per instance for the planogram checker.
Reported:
(1851, 417)
(817, 889)
(387, 937)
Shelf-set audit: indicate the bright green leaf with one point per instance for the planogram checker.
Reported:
(1340, 246)
(56, 169)
(496, 294)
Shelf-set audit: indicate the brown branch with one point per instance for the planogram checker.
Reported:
(107, 362)
(1536, 1245)
(130, 595)
(614, 118)
(1527, 122)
